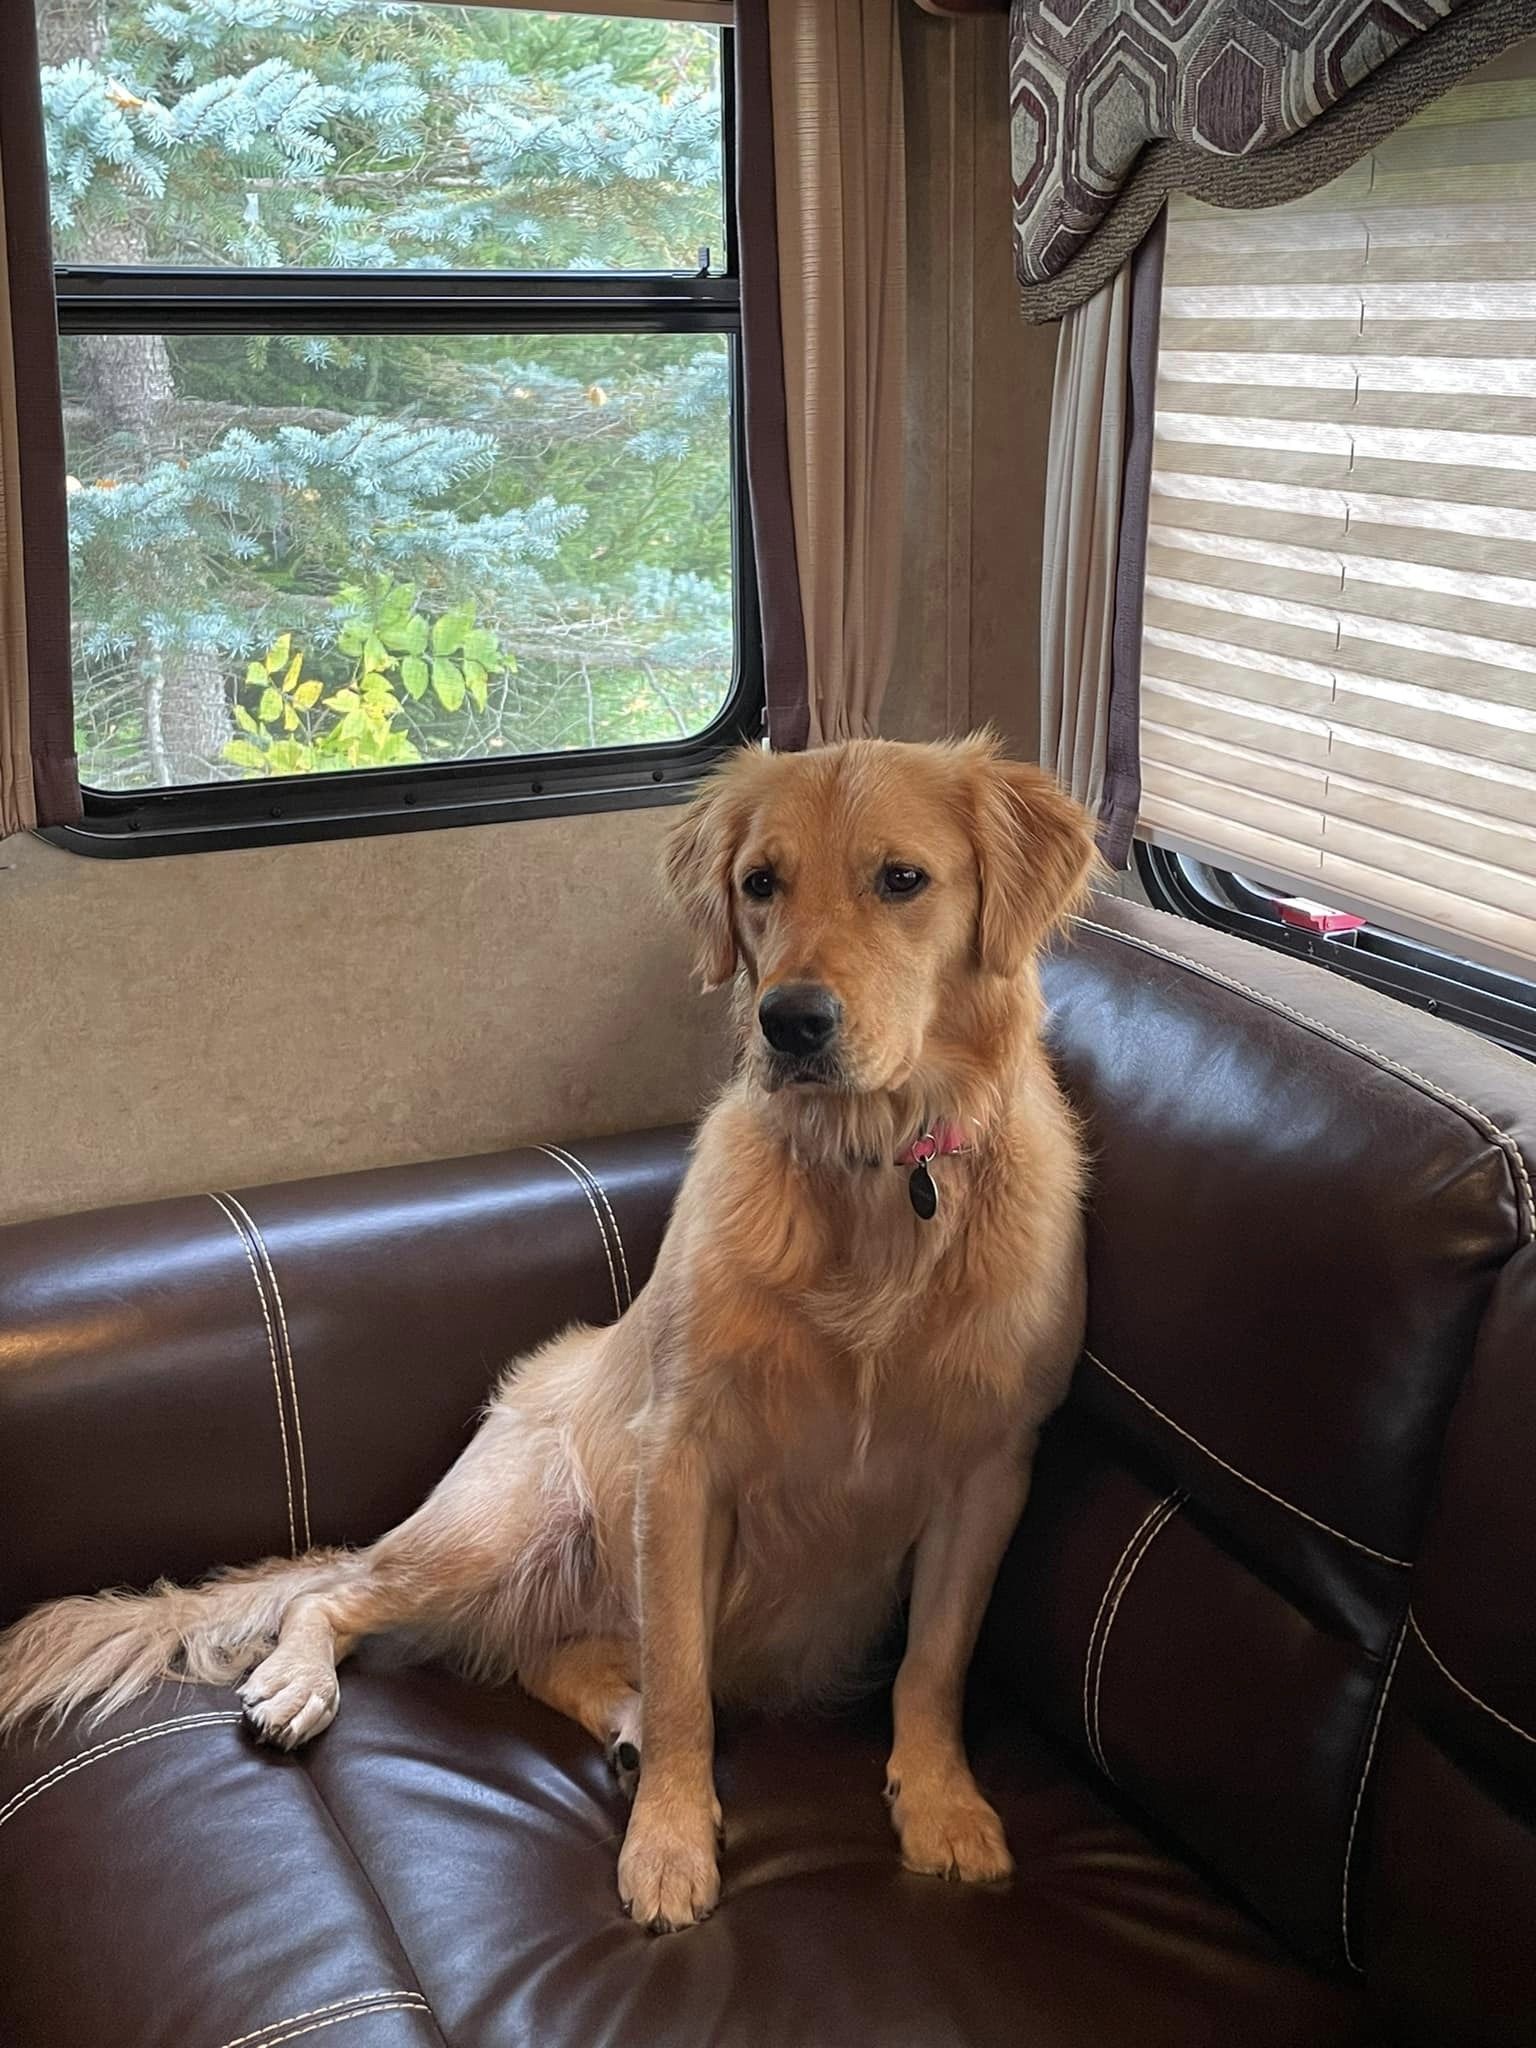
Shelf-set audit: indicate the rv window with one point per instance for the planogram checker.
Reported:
(399, 358)
(1500, 1005)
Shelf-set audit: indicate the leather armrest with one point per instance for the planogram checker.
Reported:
(224, 1377)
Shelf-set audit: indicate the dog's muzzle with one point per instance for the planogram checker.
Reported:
(801, 1023)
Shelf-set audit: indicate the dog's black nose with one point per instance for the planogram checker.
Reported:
(799, 1019)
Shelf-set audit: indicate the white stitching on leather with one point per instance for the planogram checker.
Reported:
(1466, 1691)
(1525, 1196)
(613, 1276)
(293, 1384)
(1093, 1634)
(410, 2001)
(1166, 1511)
(277, 1384)
(339, 2006)
(560, 1152)
(115, 1743)
(1365, 1772)
(1401, 1564)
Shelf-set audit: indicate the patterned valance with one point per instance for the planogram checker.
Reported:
(1243, 103)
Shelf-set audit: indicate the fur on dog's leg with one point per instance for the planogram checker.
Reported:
(488, 1569)
(592, 1681)
(946, 1827)
(669, 1873)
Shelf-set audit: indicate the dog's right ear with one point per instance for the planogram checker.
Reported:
(701, 853)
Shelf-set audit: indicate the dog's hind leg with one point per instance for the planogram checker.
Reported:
(593, 1680)
(482, 1553)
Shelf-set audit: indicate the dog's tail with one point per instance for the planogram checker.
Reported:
(110, 1647)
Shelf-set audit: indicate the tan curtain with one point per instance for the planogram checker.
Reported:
(841, 199)
(1084, 480)
(17, 808)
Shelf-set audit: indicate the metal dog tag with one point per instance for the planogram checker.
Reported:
(922, 1193)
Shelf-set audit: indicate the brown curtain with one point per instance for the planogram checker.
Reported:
(1098, 471)
(38, 779)
(820, 113)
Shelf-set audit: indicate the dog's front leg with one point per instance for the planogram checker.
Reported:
(668, 1870)
(945, 1825)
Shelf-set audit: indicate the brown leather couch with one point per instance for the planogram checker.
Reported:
(1258, 1690)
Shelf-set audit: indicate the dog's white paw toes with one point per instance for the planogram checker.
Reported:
(668, 1879)
(287, 1704)
(953, 1835)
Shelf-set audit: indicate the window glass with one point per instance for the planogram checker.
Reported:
(332, 551)
(360, 134)
(311, 529)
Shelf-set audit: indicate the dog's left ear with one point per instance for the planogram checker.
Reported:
(1037, 859)
(701, 851)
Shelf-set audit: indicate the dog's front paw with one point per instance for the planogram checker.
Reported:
(951, 1831)
(290, 1699)
(668, 1874)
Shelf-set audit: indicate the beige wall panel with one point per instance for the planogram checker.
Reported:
(227, 1018)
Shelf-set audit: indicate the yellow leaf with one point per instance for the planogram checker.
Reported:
(294, 667)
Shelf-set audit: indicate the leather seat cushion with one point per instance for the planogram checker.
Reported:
(439, 1868)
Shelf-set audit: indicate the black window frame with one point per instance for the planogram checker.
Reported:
(1494, 1004)
(200, 817)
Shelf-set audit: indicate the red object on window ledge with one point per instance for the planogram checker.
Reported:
(1315, 917)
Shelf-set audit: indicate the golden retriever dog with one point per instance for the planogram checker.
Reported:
(869, 1298)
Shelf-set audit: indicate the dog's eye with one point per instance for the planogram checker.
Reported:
(758, 883)
(897, 879)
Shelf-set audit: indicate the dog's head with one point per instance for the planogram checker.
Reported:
(871, 892)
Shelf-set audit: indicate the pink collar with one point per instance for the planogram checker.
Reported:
(937, 1142)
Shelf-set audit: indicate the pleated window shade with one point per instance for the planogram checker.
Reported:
(1339, 648)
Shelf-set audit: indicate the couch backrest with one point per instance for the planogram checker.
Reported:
(1449, 1910)
(229, 1376)
(1305, 1198)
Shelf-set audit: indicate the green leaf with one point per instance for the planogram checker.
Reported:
(353, 637)
(408, 638)
(343, 700)
(475, 682)
(483, 647)
(352, 727)
(396, 603)
(255, 675)
(307, 695)
(448, 632)
(375, 653)
(244, 755)
(244, 720)
(448, 685)
(270, 706)
(413, 674)
(277, 654)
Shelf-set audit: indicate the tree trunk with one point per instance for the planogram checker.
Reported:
(128, 383)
